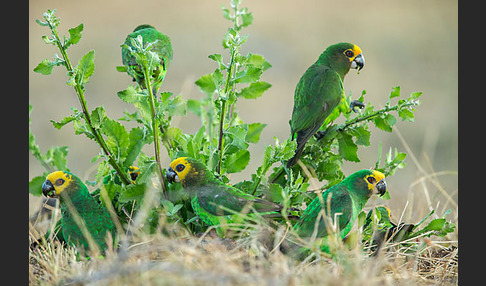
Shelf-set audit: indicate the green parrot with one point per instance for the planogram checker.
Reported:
(212, 200)
(162, 47)
(320, 90)
(340, 205)
(76, 202)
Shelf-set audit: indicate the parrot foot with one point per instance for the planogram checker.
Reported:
(356, 103)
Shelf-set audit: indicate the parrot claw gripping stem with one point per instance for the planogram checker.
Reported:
(356, 103)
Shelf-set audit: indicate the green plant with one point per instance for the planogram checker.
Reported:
(223, 138)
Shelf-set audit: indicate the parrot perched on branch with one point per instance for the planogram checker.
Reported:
(84, 222)
(212, 200)
(320, 90)
(162, 48)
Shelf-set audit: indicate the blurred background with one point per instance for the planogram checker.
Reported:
(411, 43)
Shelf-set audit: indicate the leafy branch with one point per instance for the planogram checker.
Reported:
(229, 153)
(223, 138)
(148, 61)
(78, 77)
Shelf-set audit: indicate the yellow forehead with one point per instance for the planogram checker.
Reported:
(181, 160)
(378, 177)
(58, 175)
(181, 174)
(55, 176)
(356, 51)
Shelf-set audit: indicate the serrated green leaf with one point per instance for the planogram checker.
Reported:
(251, 74)
(238, 136)
(415, 95)
(132, 192)
(35, 185)
(347, 148)
(57, 157)
(237, 162)
(247, 19)
(257, 61)
(137, 139)
(255, 90)
(286, 150)
(117, 138)
(176, 105)
(64, 121)
(85, 68)
(435, 224)
(219, 59)
(385, 123)
(98, 115)
(276, 193)
(266, 161)
(254, 131)
(130, 95)
(395, 92)
(74, 35)
(362, 135)
(406, 115)
(45, 67)
(206, 84)
(81, 128)
(147, 169)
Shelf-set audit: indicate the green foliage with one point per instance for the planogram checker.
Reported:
(377, 226)
(222, 140)
(53, 159)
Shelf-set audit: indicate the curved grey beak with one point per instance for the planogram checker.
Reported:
(358, 62)
(48, 189)
(171, 176)
(381, 187)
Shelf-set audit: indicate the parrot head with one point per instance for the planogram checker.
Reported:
(134, 172)
(188, 171)
(342, 57)
(56, 183)
(376, 180)
(364, 182)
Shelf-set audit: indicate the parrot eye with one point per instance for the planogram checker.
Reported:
(59, 182)
(371, 180)
(180, 167)
(349, 53)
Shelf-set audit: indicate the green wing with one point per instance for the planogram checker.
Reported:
(97, 221)
(340, 203)
(317, 94)
(223, 200)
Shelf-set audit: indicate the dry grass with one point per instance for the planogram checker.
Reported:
(251, 259)
(253, 256)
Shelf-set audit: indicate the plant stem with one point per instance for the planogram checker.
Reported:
(221, 133)
(155, 128)
(227, 87)
(378, 112)
(84, 107)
